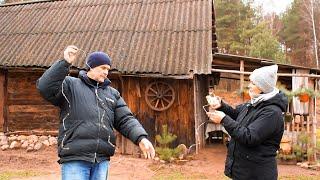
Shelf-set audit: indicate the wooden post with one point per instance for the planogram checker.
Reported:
(2, 79)
(302, 123)
(312, 112)
(5, 104)
(196, 117)
(297, 124)
(308, 124)
(241, 76)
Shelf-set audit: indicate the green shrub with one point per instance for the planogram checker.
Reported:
(164, 151)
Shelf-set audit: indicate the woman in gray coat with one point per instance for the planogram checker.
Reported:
(256, 128)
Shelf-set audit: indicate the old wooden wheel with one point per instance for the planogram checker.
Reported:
(159, 95)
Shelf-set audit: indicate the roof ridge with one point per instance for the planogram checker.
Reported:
(27, 2)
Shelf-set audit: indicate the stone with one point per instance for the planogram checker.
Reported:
(29, 149)
(157, 159)
(4, 147)
(162, 161)
(181, 157)
(37, 146)
(31, 145)
(1, 133)
(15, 145)
(43, 138)
(46, 143)
(183, 151)
(22, 138)
(3, 140)
(53, 141)
(33, 138)
(12, 138)
(25, 144)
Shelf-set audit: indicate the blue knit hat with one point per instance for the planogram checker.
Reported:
(98, 58)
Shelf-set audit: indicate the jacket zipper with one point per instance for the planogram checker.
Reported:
(63, 120)
(98, 140)
(235, 143)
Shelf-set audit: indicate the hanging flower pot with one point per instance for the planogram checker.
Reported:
(304, 94)
(304, 97)
(246, 96)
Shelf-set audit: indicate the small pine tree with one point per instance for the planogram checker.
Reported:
(165, 153)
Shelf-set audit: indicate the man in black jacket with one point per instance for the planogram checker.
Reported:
(255, 128)
(90, 111)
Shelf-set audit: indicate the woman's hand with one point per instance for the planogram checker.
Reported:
(216, 116)
(214, 101)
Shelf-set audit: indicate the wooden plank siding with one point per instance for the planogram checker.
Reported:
(179, 117)
(200, 92)
(27, 110)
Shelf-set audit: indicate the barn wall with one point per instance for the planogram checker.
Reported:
(179, 117)
(27, 110)
(2, 98)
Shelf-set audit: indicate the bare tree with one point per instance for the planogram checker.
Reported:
(309, 16)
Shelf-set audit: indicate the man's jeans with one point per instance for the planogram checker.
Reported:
(82, 170)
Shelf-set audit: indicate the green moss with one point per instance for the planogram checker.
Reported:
(6, 175)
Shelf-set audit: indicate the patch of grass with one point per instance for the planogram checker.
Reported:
(300, 177)
(6, 175)
(177, 175)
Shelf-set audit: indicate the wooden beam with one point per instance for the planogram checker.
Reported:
(241, 75)
(34, 132)
(279, 74)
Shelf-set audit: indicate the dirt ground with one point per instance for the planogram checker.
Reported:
(208, 164)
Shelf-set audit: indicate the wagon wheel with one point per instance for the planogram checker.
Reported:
(159, 96)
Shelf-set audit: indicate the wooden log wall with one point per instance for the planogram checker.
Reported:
(179, 117)
(27, 110)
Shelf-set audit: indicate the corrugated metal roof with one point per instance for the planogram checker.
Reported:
(170, 37)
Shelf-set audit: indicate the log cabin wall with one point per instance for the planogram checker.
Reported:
(27, 110)
(179, 117)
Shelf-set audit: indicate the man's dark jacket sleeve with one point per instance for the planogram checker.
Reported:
(127, 124)
(50, 83)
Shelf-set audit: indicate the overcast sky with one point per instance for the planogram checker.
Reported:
(277, 6)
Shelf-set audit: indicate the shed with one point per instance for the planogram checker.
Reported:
(163, 46)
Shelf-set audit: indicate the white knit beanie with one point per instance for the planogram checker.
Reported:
(265, 78)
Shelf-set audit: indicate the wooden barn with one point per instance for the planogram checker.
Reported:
(162, 52)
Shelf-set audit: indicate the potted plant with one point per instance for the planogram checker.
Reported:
(288, 117)
(287, 159)
(287, 92)
(304, 94)
(245, 93)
